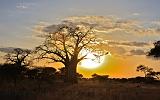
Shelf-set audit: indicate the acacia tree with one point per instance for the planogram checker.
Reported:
(145, 69)
(65, 44)
(148, 72)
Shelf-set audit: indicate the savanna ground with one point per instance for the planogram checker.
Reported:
(84, 90)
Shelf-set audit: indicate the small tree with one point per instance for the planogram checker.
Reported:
(145, 69)
(155, 52)
(18, 57)
(64, 45)
(100, 77)
(154, 74)
(148, 72)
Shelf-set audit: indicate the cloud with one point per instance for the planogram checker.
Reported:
(38, 29)
(24, 5)
(43, 28)
(114, 24)
(131, 47)
(129, 43)
(122, 36)
(21, 7)
(116, 50)
(156, 22)
(7, 49)
(104, 26)
(126, 48)
(137, 52)
(135, 14)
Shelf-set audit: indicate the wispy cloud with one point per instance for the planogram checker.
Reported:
(129, 43)
(39, 27)
(106, 25)
(135, 14)
(137, 52)
(115, 24)
(7, 49)
(24, 5)
(21, 6)
(156, 22)
(126, 48)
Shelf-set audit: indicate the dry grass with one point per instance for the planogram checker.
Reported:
(89, 90)
(85, 90)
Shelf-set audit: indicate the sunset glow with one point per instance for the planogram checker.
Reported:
(91, 61)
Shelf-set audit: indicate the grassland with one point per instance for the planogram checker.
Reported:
(84, 90)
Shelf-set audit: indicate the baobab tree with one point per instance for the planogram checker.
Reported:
(18, 57)
(15, 64)
(65, 43)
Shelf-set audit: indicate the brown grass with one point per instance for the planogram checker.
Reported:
(85, 90)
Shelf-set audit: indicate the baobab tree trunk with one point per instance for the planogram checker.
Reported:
(71, 76)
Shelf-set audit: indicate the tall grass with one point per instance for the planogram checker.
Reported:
(84, 90)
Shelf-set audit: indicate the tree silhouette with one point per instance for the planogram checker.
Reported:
(145, 69)
(155, 52)
(64, 45)
(18, 57)
(154, 74)
(16, 62)
(100, 77)
(79, 76)
(148, 72)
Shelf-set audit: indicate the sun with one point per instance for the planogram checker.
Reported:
(91, 61)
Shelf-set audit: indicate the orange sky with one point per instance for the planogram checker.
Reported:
(121, 67)
(115, 66)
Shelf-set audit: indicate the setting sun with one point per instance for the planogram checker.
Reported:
(91, 61)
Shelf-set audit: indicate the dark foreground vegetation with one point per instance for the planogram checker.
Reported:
(84, 90)
(48, 84)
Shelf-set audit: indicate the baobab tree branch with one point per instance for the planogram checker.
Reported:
(54, 59)
(47, 51)
(82, 58)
